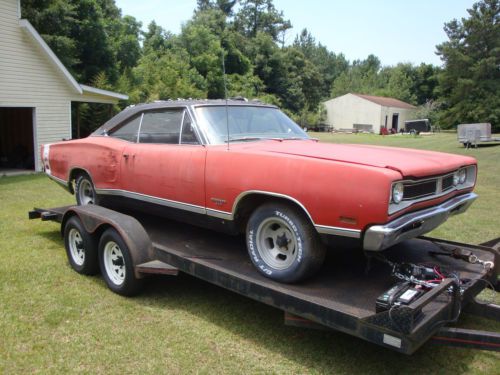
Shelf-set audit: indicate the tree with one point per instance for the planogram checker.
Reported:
(328, 65)
(126, 42)
(88, 36)
(168, 76)
(470, 80)
(55, 20)
(257, 16)
(156, 40)
(225, 6)
(396, 82)
(361, 77)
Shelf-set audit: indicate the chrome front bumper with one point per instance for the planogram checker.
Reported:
(380, 237)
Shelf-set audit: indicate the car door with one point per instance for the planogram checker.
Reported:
(166, 165)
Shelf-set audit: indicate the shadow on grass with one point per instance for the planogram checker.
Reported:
(484, 145)
(319, 351)
(53, 236)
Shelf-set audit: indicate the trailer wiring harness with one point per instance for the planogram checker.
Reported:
(417, 279)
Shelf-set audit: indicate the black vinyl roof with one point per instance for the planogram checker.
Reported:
(134, 109)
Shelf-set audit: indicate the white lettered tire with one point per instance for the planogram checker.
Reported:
(283, 244)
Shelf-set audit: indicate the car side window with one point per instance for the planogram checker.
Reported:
(161, 126)
(128, 130)
(188, 135)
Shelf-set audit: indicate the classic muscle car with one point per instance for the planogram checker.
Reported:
(245, 167)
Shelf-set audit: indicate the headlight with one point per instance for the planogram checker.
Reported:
(462, 175)
(397, 192)
(456, 178)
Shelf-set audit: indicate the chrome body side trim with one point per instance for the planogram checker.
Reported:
(338, 231)
(72, 186)
(219, 214)
(150, 199)
(60, 181)
(323, 229)
(414, 224)
(271, 194)
(229, 216)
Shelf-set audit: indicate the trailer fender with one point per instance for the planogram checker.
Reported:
(96, 219)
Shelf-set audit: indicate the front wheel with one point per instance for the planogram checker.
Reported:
(282, 243)
(116, 264)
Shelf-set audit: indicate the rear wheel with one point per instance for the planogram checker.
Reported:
(283, 244)
(116, 264)
(85, 191)
(81, 247)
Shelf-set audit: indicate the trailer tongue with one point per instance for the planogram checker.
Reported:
(380, 300)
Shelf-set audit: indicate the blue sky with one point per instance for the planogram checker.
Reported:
(394, 30)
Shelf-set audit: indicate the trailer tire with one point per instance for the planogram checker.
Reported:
(81, 247)
(116, 264)
(282, 243)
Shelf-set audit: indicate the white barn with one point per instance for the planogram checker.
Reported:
(367, 112)
(36, 92)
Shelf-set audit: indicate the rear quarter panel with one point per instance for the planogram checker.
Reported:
(99, 156)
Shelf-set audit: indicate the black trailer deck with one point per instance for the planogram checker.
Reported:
(342, 295)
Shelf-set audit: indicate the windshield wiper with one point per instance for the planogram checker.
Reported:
(244, 139)
(278, 139)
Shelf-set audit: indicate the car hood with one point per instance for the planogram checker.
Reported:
(408, 162)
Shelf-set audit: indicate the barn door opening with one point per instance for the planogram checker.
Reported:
(17, 151)
(395, 119)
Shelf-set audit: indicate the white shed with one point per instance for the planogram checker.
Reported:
(367, 112)
(36, 92)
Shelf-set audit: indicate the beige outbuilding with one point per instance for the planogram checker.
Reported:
(36, 92)
(367, 113)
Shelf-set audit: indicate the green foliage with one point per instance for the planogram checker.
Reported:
(102, 47)
(55, 20)
(166, 76)
(260, 16)
(430, 110)
(412, 84)
(470, 80)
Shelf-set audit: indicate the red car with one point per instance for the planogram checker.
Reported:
(245, 167)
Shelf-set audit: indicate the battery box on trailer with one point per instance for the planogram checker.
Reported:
(416, 271)
(400, 294)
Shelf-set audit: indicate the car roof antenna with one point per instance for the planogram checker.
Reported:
(225, 97)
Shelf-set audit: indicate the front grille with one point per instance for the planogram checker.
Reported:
(427, 188)
(419, 189)
(447, 182)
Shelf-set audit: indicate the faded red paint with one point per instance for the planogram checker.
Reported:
(330, 181)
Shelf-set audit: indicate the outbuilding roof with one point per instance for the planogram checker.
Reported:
(386, 102)
(79, 88)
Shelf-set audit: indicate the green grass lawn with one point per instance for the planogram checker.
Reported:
(53, 320)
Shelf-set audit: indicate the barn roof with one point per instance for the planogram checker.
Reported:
(79, 88)
(386, 102)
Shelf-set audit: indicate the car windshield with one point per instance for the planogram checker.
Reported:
(246, 123)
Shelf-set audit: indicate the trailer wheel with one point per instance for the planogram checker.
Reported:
(81, 247)
(282, 243)
(116, 264)
(85, 191)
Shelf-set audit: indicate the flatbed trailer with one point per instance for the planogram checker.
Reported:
(341, 296)
(473, 134)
